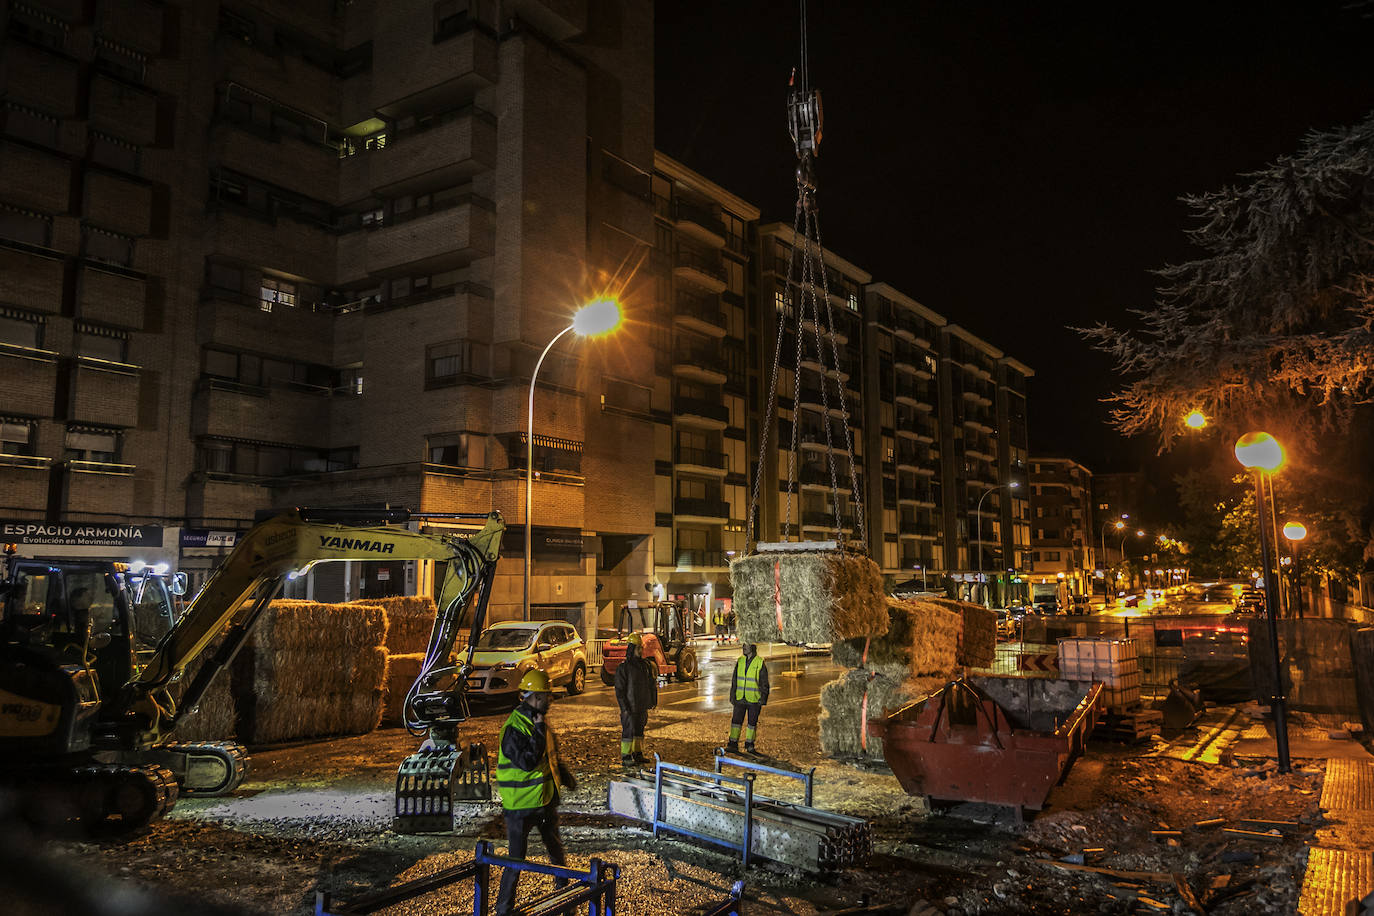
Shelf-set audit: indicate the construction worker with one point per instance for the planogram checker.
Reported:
(722, 634)
(528, 775)
(748, 694)
(636, 690)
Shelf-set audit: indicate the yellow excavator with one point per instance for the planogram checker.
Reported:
(87, 721)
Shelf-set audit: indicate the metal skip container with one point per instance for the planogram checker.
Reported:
(999, 740)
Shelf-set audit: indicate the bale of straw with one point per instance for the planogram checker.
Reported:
(844, 712)
(401, 672)
(821, 596)
(308, 625)
(922, 639)
(293, 673)
(978, 644)
(215, 718)
(410, 621)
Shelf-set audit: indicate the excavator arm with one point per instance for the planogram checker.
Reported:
(287, 545)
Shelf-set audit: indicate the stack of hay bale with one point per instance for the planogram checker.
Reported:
(916, 656)
(807, 597)
(215, 717)
(312, 669)
(978, 635)
(410, 622)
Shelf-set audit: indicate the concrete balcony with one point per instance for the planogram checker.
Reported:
(700, 414)
(124, 110)
(24, 481)
(34, 178)
(701, 314)
(699, 363)
(107, 297)
(702, 559)
(699, 223)
(46, 79)
(268, 241)
(30, 379)
(104, 393)
(237, 320)
(826, 521)
(442, 156)
(425, 75)
(700, 269)
(687, 509)
(437, 239)
(231, 410)
(310, 168)
(700, 461)
(31, 278)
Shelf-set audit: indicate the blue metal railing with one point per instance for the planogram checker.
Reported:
(719, 779)
(594, 887)
(807, 778)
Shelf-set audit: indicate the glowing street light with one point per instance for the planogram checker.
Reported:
(1295, 532)
(1261, 453)
(595, 319)
(1118, 524)
(1196, 419)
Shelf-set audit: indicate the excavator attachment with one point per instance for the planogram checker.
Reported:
(432, 780)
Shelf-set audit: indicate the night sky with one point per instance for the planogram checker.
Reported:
(1016, 167)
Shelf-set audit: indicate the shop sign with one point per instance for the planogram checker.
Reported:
(203, 537)
(80, 534)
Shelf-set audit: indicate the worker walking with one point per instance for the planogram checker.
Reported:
(722, 634)
(636, 690)
(528, 776)
(749, 694)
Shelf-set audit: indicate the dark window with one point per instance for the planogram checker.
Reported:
(16, 436)
(112, 247)
(102, 343)
(88, 444)
(459, 450)
(451, 17)
(19, 330)
(25, 226)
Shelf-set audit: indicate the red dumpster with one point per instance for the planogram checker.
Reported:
(1000, 740)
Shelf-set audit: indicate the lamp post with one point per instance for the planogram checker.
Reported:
(978, 512)
(1295, 532)
(1262, 454)
(1124, 567)
(592, 320)
(1118, 524)
(923, 575)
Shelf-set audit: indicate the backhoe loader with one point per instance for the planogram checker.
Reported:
(85, 729)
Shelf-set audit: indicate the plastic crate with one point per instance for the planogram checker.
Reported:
(1078, 669)
(1101, 651)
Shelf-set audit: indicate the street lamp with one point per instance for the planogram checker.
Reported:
(922, 571)
(1295, 532)
(1196, 419)
(594, 319)
(1262, 454)
(978, 511)
(1126, 569)
(1118, 524)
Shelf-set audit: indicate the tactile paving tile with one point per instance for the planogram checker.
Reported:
(1349, 786)
(1334, 878)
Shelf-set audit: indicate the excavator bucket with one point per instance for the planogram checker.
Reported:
(432, 780)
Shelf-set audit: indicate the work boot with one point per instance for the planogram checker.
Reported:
(640, 758)
(627, 760)
(749, 748)
(732, 747)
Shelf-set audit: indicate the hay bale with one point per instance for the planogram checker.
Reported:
(401, 672)
(313, 670)
(978, 642)
(824, 596)
(921, 639)
(410, 621)
(215, 718)
(844, 712)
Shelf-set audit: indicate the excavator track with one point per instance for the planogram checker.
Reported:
(210, 767)
(100, 798)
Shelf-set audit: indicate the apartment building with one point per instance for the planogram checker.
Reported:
(700, 263)
(1062, 540)
(272, 253)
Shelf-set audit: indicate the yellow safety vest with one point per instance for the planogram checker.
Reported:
(524, 789)
(747, 678)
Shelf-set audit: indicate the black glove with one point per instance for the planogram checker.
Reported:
(566, 778)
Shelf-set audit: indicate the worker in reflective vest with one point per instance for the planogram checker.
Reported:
(718, 618)
(528, 775)
(749, 694)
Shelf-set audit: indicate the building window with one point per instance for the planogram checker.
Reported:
(111, 247)
(109, 344)
(458, 450)
(19, 329)
(84, 443)
(625, 397)
(25, 226)
(16, 436)
(276, 292)
(551, 455)
(451, 17)
(445, 363)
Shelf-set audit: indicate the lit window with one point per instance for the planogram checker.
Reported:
(87, 444)
(276, 292)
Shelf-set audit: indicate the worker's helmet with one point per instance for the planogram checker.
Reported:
(534, 681)
(635, 640)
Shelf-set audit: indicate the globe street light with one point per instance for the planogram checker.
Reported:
(594, 319)
(1295, 532)
(1195, 420)
(1262, 454)
(978, 511)
(1140, 534)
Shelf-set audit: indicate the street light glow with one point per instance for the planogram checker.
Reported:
(1195, 420)
(596, 318)
(1294, 531)
(1259, 450)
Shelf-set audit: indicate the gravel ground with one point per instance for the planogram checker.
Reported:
(316, 816)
